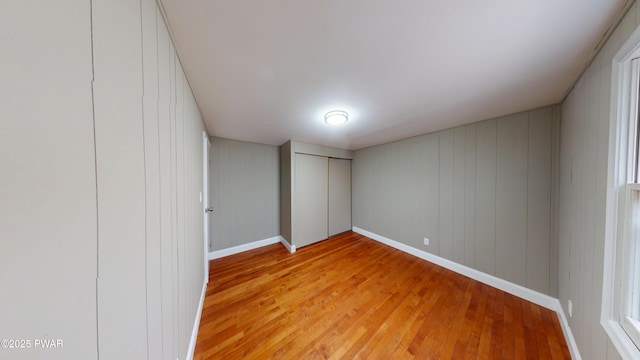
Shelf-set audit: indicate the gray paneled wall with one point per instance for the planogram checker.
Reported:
(48, 227)
(101, 151)
(148, 145)
(244, 192)
(584, 165)
(481, 193)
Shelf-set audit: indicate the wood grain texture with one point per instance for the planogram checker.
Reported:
(351, 297)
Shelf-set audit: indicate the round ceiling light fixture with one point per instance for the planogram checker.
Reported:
(336, 117)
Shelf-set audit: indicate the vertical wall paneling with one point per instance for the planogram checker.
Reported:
(539, 201)
(511, 198)
(417, 200)
(431, 144)
(393, 198)
(376, 183)
(271, 197)
(362, 172)
(478, 192)
(599, 344)
(400, 195)
(152, 178)
(48, 193)
(380, 182)
(174, 119)
(378, 213)
(582, 194)
(194, 286)
(179, 140)
(565, 221)
(445, 216)
(486, 196)
(221, 160)
(121, 175)
(149, 166)
(245, 190)
(357, 196)
(592, 252)
(554, 210)
(458, 183)
(470, 196)
(166, 190)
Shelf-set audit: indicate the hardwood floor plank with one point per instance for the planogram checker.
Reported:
(554, 345)
(416, 323)
(518, 330)
(543, 343)
(508, 329)
(464, 334)
(350, 297)
(530, 334)
(454, 324)
(497, 340)
(478, 321)
(484, 347)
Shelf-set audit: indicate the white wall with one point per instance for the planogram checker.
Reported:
(100, 218)
(583, 175)
(48, 248)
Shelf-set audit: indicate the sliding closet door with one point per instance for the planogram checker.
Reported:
(339, 196)
(310, 203)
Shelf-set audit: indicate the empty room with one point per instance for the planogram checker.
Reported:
(288, 179)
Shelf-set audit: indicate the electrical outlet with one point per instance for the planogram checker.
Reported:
(570, 308)
(426, 241)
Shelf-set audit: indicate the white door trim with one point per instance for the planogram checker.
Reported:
(205, 201)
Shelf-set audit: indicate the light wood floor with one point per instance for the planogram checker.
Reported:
(352, 297)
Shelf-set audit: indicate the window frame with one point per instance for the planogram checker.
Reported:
(629, 288)
(622, 170)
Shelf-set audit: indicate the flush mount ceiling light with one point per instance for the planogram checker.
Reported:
(336, 117)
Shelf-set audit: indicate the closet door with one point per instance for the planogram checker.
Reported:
(310, 203)
(339, 196)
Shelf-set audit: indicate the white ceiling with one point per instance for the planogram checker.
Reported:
(267, 71)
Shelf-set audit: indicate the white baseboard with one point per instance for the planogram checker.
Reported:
(196, 324)
(533, 296)
(245, 247)
(291, 248)
(566, 330)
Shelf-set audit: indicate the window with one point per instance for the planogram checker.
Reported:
(630, 284)
(629, 314)
(621, 283)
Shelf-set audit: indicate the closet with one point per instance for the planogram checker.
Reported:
(315, 190)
